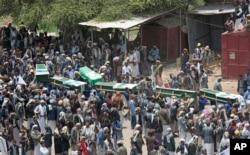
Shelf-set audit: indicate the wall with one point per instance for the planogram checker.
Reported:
(166, 39)
(205, 29)
(235, 54)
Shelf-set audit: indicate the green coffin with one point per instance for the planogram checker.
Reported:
(69, 83)
(176, 92)
(91, 76)
(42, 74)
(218, 96)
(113, 86)
(105, 86)
(122, 86)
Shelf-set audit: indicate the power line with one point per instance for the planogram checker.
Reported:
(198, 21)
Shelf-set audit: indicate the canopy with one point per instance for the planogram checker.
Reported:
(126, 24)
(91, 76)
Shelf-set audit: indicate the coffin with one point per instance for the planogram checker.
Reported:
(176, 92)
(113, 86)
(91, 76)
(42, 73)
(69, 83)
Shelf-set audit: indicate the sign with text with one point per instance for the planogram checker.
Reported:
(239, 146)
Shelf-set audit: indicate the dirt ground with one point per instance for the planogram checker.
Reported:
(229, 86)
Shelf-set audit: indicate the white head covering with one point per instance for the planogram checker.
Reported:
(137, 126)
(33, 127)
(192, 139)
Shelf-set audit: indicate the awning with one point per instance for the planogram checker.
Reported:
(91, 76)
(126, 24)
(213, 9)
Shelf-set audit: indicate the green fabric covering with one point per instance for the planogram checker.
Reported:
(91, 76)
(69, 82)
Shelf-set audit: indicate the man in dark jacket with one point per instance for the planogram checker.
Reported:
(58, 140)
(48, 138)
(52, 114)
(169, 142)
(208, 136)
(136, 119)
(14, 149)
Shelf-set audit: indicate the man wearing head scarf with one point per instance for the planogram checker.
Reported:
(182, 125)
(75, 136)
(78, 118)
(136, 119)
(121, 148)
(41, 110)
(16, 128)
(192, 145)
(217, 84)
(157, 126)
(52, 109)
(36, 136)
(137, 138)
(43, 149)
(182, 148)
(208, 136)
(225, 142)
(48, 138)
(169, 142)
(151, 140)
(156, 75)
(30, 106)
(246, 131)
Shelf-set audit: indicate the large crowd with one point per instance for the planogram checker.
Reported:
(36, 114)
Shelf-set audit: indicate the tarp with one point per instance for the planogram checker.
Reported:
(128, 23)
(91, 76)
(213, 9)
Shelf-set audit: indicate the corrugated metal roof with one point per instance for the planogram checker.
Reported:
(169, 22)
(213, 9)
(126, 24)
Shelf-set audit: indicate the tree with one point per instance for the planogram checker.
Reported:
(66, 14)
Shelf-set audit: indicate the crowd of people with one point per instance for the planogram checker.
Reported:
(36, 114)
(241, 17)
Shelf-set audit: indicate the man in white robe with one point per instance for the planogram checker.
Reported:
(3, 146)
(126, 69)
(138, 58)
(42, 115)
(132, 63)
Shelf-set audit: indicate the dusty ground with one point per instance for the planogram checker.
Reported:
(229, 86)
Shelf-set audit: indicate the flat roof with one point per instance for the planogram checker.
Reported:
(126, 24)
(213, 9)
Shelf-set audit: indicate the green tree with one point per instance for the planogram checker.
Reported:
(66, 14)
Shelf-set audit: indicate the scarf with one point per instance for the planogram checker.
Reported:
(84, 148)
